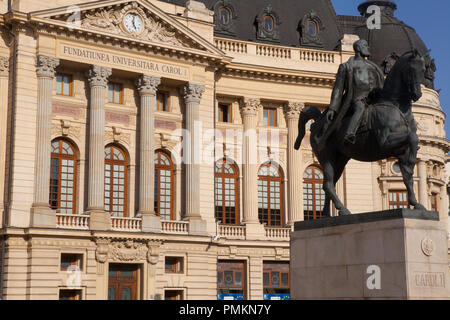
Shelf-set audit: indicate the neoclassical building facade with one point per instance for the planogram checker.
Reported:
(146, 147)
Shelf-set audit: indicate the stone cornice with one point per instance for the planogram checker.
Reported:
(199, 50)
(50, 15)
(187, 54)
(246, 71)
(442, 143)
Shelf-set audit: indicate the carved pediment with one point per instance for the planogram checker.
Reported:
(112, 20)
(137, 20)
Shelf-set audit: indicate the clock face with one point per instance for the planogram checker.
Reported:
(133, 22)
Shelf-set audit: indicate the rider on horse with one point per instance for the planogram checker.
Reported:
(355, 81)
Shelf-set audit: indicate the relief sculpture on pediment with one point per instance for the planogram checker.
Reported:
(114, 20)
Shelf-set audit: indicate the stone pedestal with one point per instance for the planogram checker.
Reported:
(197, 227)
(151, 223)
(43, 217)
(396, 254)
(254, 231)
(99, 220)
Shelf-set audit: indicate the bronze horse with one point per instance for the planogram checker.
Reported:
(389, 130)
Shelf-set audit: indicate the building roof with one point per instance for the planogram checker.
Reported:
(290, 13)
(291, 26)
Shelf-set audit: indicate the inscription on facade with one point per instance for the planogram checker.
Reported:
(123, 61)
(429, 279)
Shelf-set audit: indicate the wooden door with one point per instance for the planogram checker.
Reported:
(123, 282)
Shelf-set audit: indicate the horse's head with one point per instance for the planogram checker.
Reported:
(406, 76)
(414, 74)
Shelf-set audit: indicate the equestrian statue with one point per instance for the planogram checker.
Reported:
(367, 120)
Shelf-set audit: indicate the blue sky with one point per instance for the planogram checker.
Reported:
(431, 20)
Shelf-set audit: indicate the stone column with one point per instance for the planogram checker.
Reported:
(42, 215)
(98, 81)
(192, 94)
(249, 113)
(422, 171)
(4, 77)
(147, 87)
(294, 162)
(443, 207)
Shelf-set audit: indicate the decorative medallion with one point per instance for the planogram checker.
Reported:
(427, 246)
(127, 250)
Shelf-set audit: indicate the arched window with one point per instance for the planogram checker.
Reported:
(270, 195)
(313, 194)
(225, 16)
(63, 176)
(311, 27)
(116, 181)
(226, 192)
(268, 23)
(164, 185)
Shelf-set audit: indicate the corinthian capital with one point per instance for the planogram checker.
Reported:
(250, 106)
(45, 66)
(4, 66)
(98, 76)
(148, 85)
(193, 92)
(292, 109)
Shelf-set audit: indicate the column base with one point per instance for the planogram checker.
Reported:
(43, 217)
(99, 220)
(151, 223)
(254, 231)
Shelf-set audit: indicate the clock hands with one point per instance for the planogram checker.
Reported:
(133, 23)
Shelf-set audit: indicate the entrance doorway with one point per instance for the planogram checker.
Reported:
(123, 282)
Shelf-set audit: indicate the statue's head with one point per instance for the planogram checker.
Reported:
(362, 47)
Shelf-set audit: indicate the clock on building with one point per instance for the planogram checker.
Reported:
(133, 23)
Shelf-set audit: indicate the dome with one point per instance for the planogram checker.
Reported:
(394, 38)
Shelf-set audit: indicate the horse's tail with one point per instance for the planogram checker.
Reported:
(307, 114)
